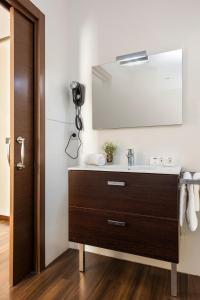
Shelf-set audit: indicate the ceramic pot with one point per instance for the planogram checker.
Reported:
(109, 158)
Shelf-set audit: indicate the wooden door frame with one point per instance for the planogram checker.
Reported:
(28, 9)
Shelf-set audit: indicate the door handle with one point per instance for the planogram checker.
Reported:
(8, 149)
(116, 183)
(21, 165)
(116, 223)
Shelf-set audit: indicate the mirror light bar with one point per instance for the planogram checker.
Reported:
(132, 57)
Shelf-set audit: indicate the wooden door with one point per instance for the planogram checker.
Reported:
(22, 146)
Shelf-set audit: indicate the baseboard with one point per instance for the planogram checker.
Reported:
(4, 218)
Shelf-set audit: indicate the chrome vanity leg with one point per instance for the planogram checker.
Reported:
(81, 257)
(173, 280)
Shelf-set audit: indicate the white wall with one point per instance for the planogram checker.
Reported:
(58, 124)
(4, 112)
(101, 30)
(4, 22)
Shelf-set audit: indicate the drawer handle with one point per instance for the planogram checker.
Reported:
(116, 183)
(117, 223)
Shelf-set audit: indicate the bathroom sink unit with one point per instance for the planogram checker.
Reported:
(132, 210)
(133, 169)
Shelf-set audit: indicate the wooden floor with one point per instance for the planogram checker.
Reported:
(4, 259)
(105, 279)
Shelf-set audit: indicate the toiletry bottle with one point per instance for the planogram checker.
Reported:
(130, 157)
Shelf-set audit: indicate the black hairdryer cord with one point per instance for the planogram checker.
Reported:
(79, 127)
(80, 144)
(78, 120)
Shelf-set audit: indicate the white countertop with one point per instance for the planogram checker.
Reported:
(135, 169)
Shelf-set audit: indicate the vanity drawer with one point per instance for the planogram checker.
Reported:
(139, 235)
(145, 194)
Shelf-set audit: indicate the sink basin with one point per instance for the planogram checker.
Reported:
(134, 169)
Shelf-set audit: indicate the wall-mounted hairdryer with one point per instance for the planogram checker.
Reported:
(78, 95)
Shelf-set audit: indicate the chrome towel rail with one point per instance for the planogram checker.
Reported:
(189, 181)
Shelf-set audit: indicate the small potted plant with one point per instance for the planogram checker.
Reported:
(110, 149)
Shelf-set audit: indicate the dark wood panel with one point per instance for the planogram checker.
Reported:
(33, 14)
(39, 137)
(22, 125)
(26, 7)
(147, 194)
(145, 236)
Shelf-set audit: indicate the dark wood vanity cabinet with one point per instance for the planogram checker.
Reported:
(129, 212)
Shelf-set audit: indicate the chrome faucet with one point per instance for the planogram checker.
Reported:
(130, 157)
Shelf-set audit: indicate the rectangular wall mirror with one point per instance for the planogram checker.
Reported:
(137, 94)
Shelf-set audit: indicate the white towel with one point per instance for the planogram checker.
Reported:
(191, 211)
(196, 176)
(183, 200)
(97, 159)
